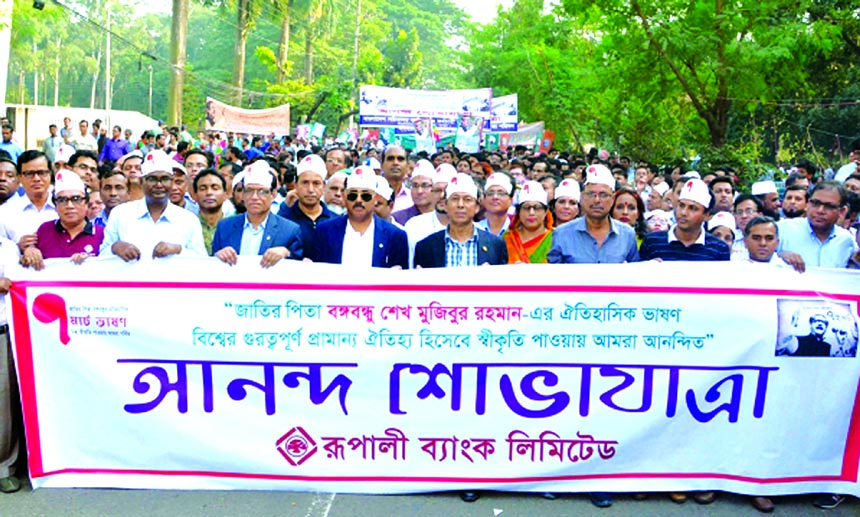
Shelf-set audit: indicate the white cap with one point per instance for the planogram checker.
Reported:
(373, 163)
(179, 167)
(134, 154)
(662, 214)
(68, 181)
(532, 191)
(568, 188)
(497, 179)
(599, 175)
(362, 177)
(64, 152)
(722, 219)
(339, 175)
(312, 163)
(383, 188)
(696, 191)
(691, 175)
(425, 168)
(445, 172)
(462, 184)
(760, 188)
(661, 188)
(258, 173)
(239, 178)
(156, 161)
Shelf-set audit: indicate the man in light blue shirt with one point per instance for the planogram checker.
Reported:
(595, 238)
(816, 240)
(8, 144)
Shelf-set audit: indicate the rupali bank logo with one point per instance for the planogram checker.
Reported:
(296, 446)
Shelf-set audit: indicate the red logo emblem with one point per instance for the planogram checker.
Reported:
(296, 446)
(689, 185)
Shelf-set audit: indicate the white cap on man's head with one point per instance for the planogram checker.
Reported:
(156, 161)
(760, 188)
(258, 173)
(661, 188)
(462, 184)
(373, 163)
(445, 172)
(568, 188)
(696, 191)
(424, 168)
(597, 174)
(362, 177)
(532, 191)
(312, 163)
(722, 219)
(383, 188)
(67, 181)
(64, 152)
(498, 179)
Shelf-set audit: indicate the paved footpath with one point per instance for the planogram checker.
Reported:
(154, 503)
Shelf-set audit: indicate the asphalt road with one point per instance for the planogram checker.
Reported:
(154, 503)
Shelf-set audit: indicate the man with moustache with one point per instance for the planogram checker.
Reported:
(395, 168)
(360, 238)
(210, 189)
(424, 225)
(153, 226)
(21, 216)
(114, 191)
(308, 211)
(421, 190)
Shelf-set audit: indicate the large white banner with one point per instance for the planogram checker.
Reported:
(185, 373)
(401, 108)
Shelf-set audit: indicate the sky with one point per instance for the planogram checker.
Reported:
(482, 11)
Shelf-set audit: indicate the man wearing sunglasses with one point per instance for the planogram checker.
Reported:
(361, 238)
(153, 226)
(70, 236)
(257, 231)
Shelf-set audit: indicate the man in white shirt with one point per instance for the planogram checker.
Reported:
(424, 225)
(153, 226)
(84, 141)
(21, 216)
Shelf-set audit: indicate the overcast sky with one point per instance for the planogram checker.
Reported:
(482, 11)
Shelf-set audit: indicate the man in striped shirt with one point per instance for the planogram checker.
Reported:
(687, 239)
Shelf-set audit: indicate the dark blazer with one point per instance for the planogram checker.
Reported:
(430, 251)
(390, 245)
(279, 232)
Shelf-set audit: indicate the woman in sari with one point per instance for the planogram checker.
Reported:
(529, 237)
(629, 208)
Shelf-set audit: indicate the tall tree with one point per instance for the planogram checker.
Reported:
(178, 41)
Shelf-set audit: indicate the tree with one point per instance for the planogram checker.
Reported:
(403, 60)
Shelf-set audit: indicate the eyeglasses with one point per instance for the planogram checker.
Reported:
(602, 196)
(497, 194)
(422, 186)
(533, 208)
(164, 180)
(367, 197)
(62, 200)
(42, 174)
(748, 211)
(814, 203)
(261, 192)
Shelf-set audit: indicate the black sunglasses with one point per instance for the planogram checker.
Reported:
(365, 196)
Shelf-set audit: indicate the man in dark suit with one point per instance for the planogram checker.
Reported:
(813, 344)
(461, 244)
(360, 238)
(257, 231)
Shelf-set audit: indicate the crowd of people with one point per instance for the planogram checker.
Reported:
(85, 194)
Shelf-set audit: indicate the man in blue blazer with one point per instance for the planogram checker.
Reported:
(461, 244)
(360, 238)
(257, 231)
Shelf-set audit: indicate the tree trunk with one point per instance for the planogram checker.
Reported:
(242, 21)
(178, 35)
(284, 44)
(95, 79)
(309, 56)
(57, 75)
(323, 96)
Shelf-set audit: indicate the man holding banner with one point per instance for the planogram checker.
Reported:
(9, 419)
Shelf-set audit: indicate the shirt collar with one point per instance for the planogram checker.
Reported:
(89, 228)
(250, 226)
(814, 236)
(369, 231)
(143, 210)
(474, 236)
(699, 240)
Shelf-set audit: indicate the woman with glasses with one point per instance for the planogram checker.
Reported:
(529, 237)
